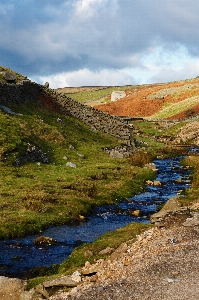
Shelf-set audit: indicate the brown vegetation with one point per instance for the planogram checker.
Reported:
(143, 102)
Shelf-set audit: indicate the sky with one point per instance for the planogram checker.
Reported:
(100, 42)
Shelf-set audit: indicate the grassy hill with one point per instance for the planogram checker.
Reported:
(37, 187)
(53, 169)
(174, 100)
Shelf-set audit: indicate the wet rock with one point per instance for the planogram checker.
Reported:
(44, 240)
(136, 213)
(157, 183)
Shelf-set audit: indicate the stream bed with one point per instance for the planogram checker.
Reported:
(19, 255)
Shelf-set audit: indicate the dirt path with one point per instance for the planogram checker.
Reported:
(163, 264)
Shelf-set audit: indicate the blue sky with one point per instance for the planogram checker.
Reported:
(100, 42)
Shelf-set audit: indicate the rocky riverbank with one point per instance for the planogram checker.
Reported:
(161, 264)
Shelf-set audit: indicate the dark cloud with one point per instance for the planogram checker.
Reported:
(51, 36)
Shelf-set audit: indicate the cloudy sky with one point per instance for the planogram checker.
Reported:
(100, 42)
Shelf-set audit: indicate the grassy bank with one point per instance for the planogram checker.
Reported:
(38, 189)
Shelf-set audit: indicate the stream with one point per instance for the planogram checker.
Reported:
(19, 255)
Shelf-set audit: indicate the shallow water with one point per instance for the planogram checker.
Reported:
(20, 255)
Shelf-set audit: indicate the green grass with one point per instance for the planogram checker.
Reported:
(89, 96)
(35, 195)
(191, 194)
(176, 108)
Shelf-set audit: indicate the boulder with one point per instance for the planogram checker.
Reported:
(171, 205)
(116, 95)
(46, 85)
(8, 76)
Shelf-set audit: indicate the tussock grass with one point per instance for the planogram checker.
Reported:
(174, 109)
(191, 194)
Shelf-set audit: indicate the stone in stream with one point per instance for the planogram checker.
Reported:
(44, 240)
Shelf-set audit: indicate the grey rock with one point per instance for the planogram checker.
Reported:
(41, 290)
(46, 85)
(71, 147)
(62, 281)
(121, 249)
(81, 155)
(7, 110)
(194, 221)
(108, 250)
(170, 206)
(70, 164)
(116, 95)
(9, 76)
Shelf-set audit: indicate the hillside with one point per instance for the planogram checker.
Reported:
(176, 100)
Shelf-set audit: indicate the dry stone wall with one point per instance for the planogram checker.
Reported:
(19, 92)
(98, 120)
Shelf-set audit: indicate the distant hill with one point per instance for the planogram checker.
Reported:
(174, 100)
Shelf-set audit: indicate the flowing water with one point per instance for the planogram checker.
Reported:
(20, 255)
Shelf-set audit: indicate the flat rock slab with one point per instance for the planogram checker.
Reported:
(11, 288)
(62, 281)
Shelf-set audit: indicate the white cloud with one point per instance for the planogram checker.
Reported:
(86, 77)
(43, 38)
(88, 8)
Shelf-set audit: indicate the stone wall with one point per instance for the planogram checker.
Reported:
(98, 120)
(19, 92)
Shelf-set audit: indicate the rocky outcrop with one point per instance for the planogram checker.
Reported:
(188, 133)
